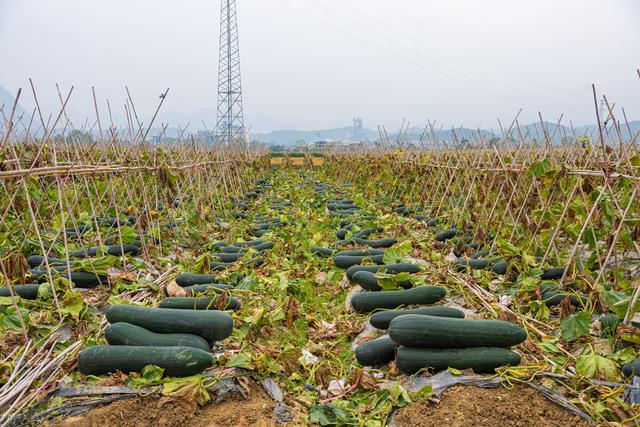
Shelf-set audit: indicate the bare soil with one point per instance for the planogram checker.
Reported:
(257, 411)
(489, 407)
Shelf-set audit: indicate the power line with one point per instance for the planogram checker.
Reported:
(378, 47)
(420, 26)
(435, 52)
(474, 80)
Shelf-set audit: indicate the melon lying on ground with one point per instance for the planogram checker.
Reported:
(250, 243)
(361, 252)
(342, 233)
(369, 281)
(319, 250)
(480, 254)
(213, 287)
(389, 268)
(115, 222)
(500, 268)
(497, 265)
(116, 250)
(382, 319)
(341, 207)
(446, 234)
(482, 360)
(38, 260)
(214, 302)
(365, 302)
(363, 234)
(377, 351)
(380, 243)
(81, 279)
(115, 239)
(121, 333)
(258, 233)
(552, 294)
(446, 332)
(176, 361)
(252, 262)
(202, 289)
(345, 262)
(27, 291)
(228, 257)
(552, 273)
(553, 298)
(190, 279)
(246, 248)
(212, 325)
(632, 368)
(474, 264)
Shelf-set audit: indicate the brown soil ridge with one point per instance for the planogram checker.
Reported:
(489, 407)
(257, 411)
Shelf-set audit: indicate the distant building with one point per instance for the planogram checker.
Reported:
(358, 133)
(330, 144)
(323, 144)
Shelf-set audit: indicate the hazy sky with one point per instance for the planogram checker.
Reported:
(313, 64)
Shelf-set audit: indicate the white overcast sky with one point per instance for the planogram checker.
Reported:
(314, 64)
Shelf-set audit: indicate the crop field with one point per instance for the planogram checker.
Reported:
(299, 160)
(158, 284)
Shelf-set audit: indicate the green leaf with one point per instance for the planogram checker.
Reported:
(541, 168)
(72, 304)
(256, 318)
(398, 254)
(150, 375)
(507, 248)
(596, 366)
(248, 283)
(528, 284)
(549, 346)
(399, 395)
(624, 356)
(128, 234)
(191, 388)
(426, 391)
(276, 316)
(575, 326)
(201, 264)
(99, 265)
(44, 292)
(7, 301)
(539, 310)
(11, 318)
(390, 282)
(573, 230)
(528, 259)
(240, 360)
(329, 415)
(618, 302)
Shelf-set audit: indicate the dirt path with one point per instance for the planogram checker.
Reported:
(320, 317)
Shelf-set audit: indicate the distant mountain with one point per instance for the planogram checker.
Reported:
(413, 134)
(6, 104)
(290, 137)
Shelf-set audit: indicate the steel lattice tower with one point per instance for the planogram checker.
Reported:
(230, 121)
